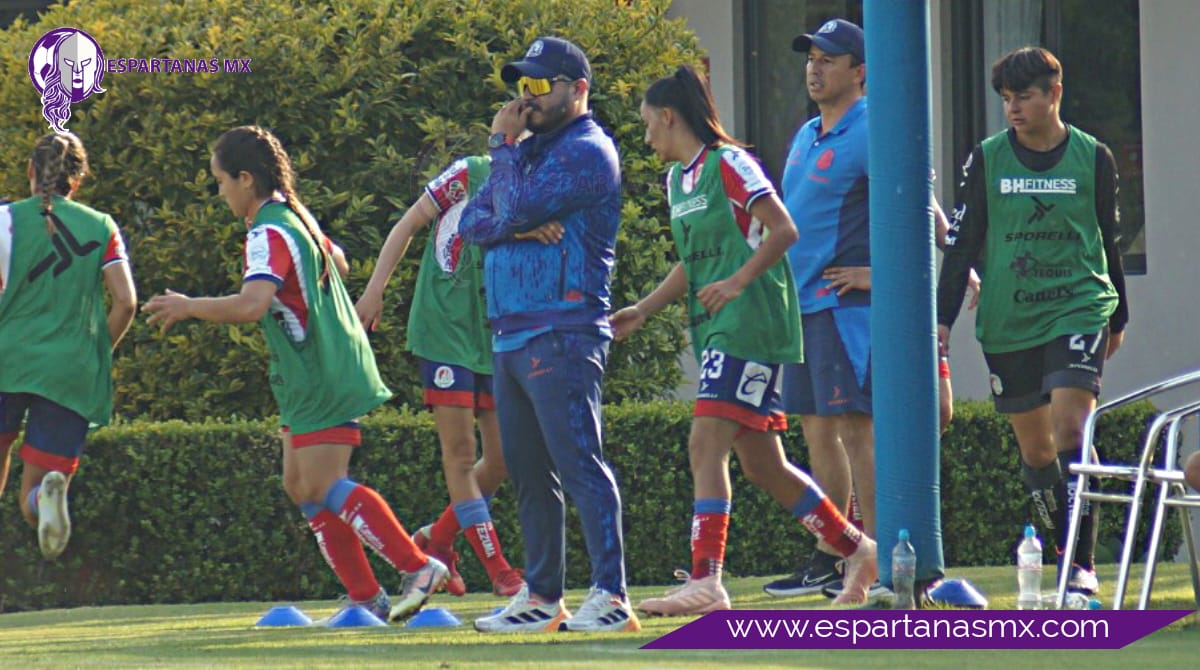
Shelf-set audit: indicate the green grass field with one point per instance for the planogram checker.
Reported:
(222, 635)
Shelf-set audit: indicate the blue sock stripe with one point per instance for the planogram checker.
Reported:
(807, 502)
(712, 506)
(32, 499)
(311, 510)
(472, 512)
(335, 498)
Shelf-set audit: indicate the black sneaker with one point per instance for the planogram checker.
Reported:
(821, 569)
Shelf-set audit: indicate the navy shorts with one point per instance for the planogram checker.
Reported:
(835, 377)
(1022, 380)
(745, 392)
(448, 385)
(54, 435)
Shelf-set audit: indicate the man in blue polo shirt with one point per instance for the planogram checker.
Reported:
(825, 191)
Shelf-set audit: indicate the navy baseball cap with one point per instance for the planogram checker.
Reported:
(836, 37)
(549, 57)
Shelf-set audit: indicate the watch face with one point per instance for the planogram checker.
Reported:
(496, 140)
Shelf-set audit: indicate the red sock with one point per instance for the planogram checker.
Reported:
(827, 523)
(344, 553)
(486, 544)
(708, 543)
(445, 529)
(371, 518)
(855, 511)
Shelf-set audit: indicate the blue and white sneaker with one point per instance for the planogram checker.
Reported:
(525, 615)
(417, 588)
(602, 612)
(54, 520)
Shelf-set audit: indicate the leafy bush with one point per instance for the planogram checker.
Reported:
(176, 512)
(371, 99)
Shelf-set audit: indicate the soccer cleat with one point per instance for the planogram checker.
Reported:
(876, 590)
(524, 615)
(54, 521)
(455, 585)
(602, 612)
(508, 582)
(1083, 580)
(862, 570)
(809, 579)
(417, 588)
(694, 596)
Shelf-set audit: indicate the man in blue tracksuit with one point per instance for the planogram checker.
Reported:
(547, 217)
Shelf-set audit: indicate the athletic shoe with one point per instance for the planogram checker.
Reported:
(417, 588)
(821, 570)
(602, 612)
(508, 582)
(524, 615)
(54, 521)
(694, 596)
(1083, 580)
(455, 585)
(862, 570)
(877, 590)
(379, 605)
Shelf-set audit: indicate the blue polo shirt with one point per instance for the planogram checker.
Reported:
(825, 191)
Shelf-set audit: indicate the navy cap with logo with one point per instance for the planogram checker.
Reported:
(836, 38)
(549, 57)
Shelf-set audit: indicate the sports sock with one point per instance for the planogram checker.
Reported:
(445, 529)
(819, 515)
(1089, 522)
(373, 521)
(342, 551)
(710, 527)
(476, 521)
(1046, 487)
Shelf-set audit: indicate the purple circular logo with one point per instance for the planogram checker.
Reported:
(66, 66)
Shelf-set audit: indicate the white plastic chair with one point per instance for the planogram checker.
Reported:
(1135, 473)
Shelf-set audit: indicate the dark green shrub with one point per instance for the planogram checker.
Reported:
(176, 512)
(372, 99)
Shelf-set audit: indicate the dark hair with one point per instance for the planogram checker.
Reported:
(255, 150)
(688, 94)
(57, 157)
(1022, 68)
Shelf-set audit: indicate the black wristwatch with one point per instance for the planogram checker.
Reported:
(497, 140)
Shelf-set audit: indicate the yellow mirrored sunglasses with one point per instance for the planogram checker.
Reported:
(538, 87)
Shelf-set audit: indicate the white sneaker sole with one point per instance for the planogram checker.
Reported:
(54, 521)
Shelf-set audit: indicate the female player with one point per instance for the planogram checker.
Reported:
(322, 369)
(57, 257)
(731, 233)
(447, 329)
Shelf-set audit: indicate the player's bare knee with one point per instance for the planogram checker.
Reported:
(1191, 471)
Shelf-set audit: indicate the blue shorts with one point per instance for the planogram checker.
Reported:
(54, 435)
(835, 377)
(449, 385)
(741, 391)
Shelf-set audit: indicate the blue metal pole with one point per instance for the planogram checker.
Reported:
(903, 334)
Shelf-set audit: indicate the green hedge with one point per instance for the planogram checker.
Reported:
(176, 512)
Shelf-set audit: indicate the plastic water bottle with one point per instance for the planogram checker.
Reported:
(1029, 571)
(904, 573)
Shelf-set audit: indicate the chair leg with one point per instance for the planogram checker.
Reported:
(1135, 508)
(1193, 560)
(1156, 528)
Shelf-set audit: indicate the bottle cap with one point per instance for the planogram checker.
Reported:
(1030, 531)
(904, 535)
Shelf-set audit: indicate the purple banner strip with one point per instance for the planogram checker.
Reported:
(917, 629)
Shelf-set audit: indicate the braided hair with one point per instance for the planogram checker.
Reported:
(57, 159)
(256, 150)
